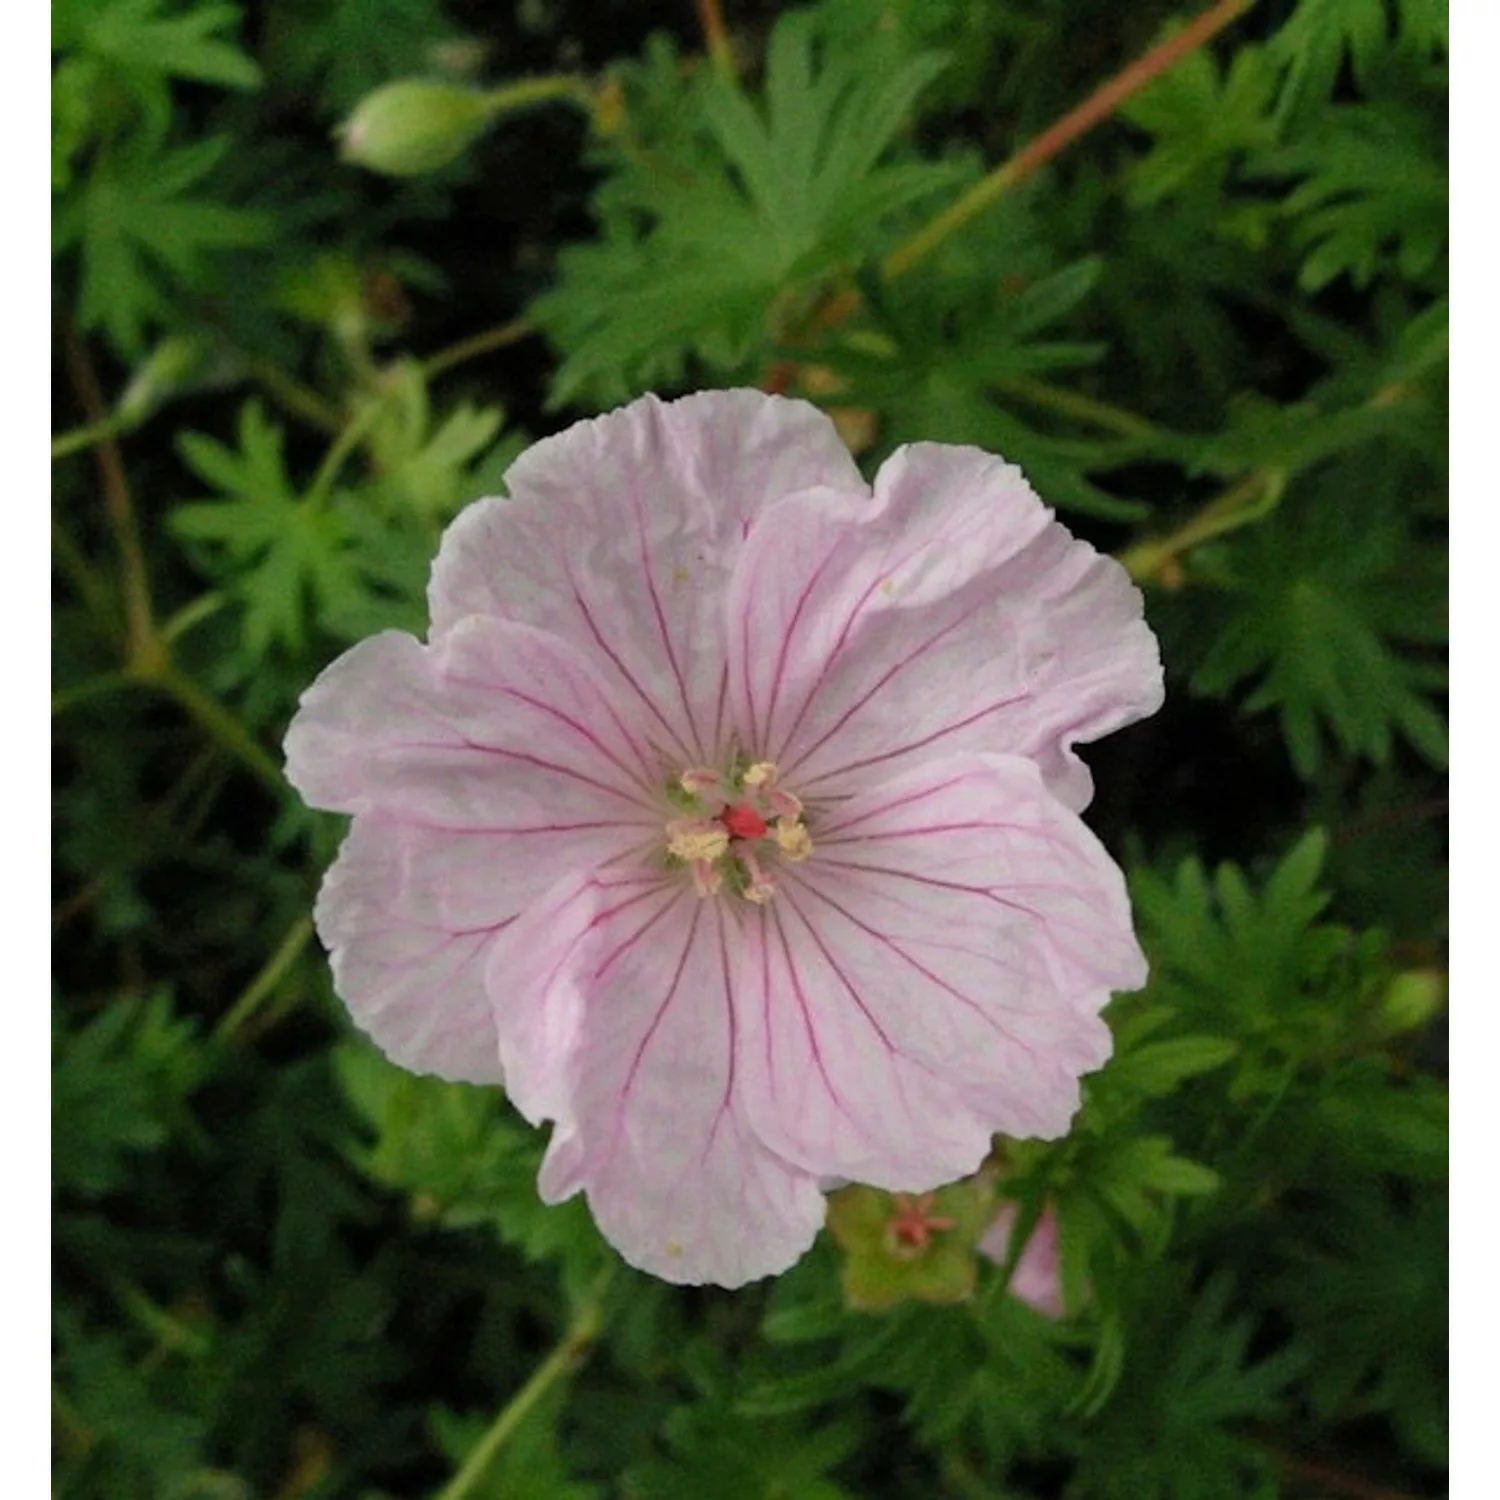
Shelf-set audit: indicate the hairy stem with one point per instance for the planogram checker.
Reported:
(1243, 502)
(481, 343)
(1045, 396)
(84, 437)
(292, 396)
(568, 1355)
(140, 631)
(1102, 103)
(218, 722)
(715, 37)
(288, 950)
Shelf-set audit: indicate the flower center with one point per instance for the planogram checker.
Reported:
(911, 1228)
(736, 823)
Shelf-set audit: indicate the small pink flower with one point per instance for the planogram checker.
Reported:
(729, 817)
(1037, 1279)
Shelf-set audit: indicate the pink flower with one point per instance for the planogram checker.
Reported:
(1037, 1279)
(729, 817)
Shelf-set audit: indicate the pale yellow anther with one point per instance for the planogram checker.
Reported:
(794, 841)
(700, 779)
(762, 774)
(696, 840)
(760, 893)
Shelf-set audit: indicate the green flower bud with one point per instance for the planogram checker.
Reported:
(1413, 998)
(904, 1247)
(176, 363)
(414, 126)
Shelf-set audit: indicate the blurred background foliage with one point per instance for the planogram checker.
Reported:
(322, 269)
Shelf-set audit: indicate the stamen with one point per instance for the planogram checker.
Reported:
(762, 774)
(760, 887)
(783, 804)
(696, 839)
(794, 841)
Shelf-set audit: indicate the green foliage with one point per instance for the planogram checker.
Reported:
(1213, 328)
(1374, 179)
(1200, 121)
(289, 556)
(330, 45)
(724, 223)
(1331, 593)
(139, 229)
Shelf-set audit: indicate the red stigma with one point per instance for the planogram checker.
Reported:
(913, 1224)
(743, 822)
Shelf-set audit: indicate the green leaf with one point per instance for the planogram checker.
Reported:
(1326, 594)
(723, 226)
(1374, 181)
(1158, 1067)
(1199, 122)
(142, 43)
(145, 239)
(119, 1086)
(336, 47)
(289, 560)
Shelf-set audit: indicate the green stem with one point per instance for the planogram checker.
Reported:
(76, 1434)
(716, 37)
(168, 1332)
(1243, 502)
(218, 722)
(582, 1332)
(91, 589)
(90, 687)
(85, 437)
(201, 608)
(349, 438)
(481, 343)
(528, 91)
(1048, 397)
(264, 984)
(293, 396)
(1102, 103)
(139, 626)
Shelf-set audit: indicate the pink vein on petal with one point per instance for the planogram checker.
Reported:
(883, 573)
(661, 625)
(581, 730)
(808, 1024)
(987, 893)
(733, 1029)
(646, 698)
(886, 941)
(907, 799)
(465, 743)
(786, 644)
(640, 1052)
(883, 681)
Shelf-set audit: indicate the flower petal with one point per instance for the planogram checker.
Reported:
(408, 930)
(1037, 1278)
(615, 1001)
(934, 974)
(497, 727)
(952, 614)
(619, 538)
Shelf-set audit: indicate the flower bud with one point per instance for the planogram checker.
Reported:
(415, 125)
(1413, 998)
(171, 366)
